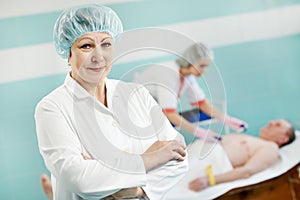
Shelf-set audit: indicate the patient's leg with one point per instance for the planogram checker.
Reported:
(47, 187)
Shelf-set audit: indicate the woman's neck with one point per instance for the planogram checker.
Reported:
(184, 71)
(100, 93)
(98, 89)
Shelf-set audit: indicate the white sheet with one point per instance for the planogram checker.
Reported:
(289, 157)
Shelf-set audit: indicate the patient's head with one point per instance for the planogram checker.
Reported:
(279, 131)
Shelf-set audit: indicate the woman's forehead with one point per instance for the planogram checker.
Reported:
(96, 36)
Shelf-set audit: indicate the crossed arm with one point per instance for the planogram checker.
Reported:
(263, 158)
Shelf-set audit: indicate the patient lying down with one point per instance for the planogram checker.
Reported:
(249, 155)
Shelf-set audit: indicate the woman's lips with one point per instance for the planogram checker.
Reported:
(98, 69)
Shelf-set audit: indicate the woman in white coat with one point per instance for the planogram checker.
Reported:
(169, 81)
(98, 138)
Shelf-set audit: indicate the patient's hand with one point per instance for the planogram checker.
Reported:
(198, 184)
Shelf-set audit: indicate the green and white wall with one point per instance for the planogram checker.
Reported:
(256, 45)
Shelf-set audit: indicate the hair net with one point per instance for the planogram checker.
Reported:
(77, 21)
(193, 54)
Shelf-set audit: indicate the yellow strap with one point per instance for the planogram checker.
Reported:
(210, 175)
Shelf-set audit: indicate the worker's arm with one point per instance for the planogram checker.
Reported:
(181, 122)
(210, 110)
(233, 123)
(176, 119)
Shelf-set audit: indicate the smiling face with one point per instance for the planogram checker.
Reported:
(91, 57)
(276, 131)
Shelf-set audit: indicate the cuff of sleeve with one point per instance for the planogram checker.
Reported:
(169, 110)
(198, 103)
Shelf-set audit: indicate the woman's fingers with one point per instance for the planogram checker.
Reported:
(162, 152)
(179, 153)
(170, 144)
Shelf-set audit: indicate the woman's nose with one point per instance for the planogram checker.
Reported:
(97, 55)
(96, 58)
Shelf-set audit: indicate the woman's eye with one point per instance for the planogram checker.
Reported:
(86, 46)
(106, 44)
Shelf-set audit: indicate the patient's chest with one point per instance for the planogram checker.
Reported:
(239, 148)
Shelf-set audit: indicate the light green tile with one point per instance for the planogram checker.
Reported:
(6, 191)
(27, 187)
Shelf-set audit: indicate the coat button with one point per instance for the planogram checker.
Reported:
(114, 123)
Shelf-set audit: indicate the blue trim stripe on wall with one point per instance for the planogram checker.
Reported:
(37, 28)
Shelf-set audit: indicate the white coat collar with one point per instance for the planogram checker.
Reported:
(75, 87)
(77, 90)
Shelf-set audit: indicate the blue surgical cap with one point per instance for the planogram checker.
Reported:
(193, 54)
(77, 21)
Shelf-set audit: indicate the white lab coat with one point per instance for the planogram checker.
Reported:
(71, 122)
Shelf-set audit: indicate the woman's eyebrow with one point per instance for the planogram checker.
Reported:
(86, 38)
(108, 37)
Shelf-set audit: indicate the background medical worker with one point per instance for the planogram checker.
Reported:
(169, 81)
(85, 144)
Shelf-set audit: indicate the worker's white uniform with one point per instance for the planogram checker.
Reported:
(166, 85)
(71, 122)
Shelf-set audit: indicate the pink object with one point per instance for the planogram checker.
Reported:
(235, 124)
(207, 135)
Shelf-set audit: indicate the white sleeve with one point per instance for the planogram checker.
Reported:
(61, 150)
(166, 97)
(162, 179)
(193, 91)
(167, 91)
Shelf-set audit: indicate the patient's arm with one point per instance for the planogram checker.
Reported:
(263, 158)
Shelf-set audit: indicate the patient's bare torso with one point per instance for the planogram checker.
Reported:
(240, 147)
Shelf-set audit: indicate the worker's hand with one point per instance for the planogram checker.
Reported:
(162, 152)
(206, 135)
(235, 124)
(198, 184)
